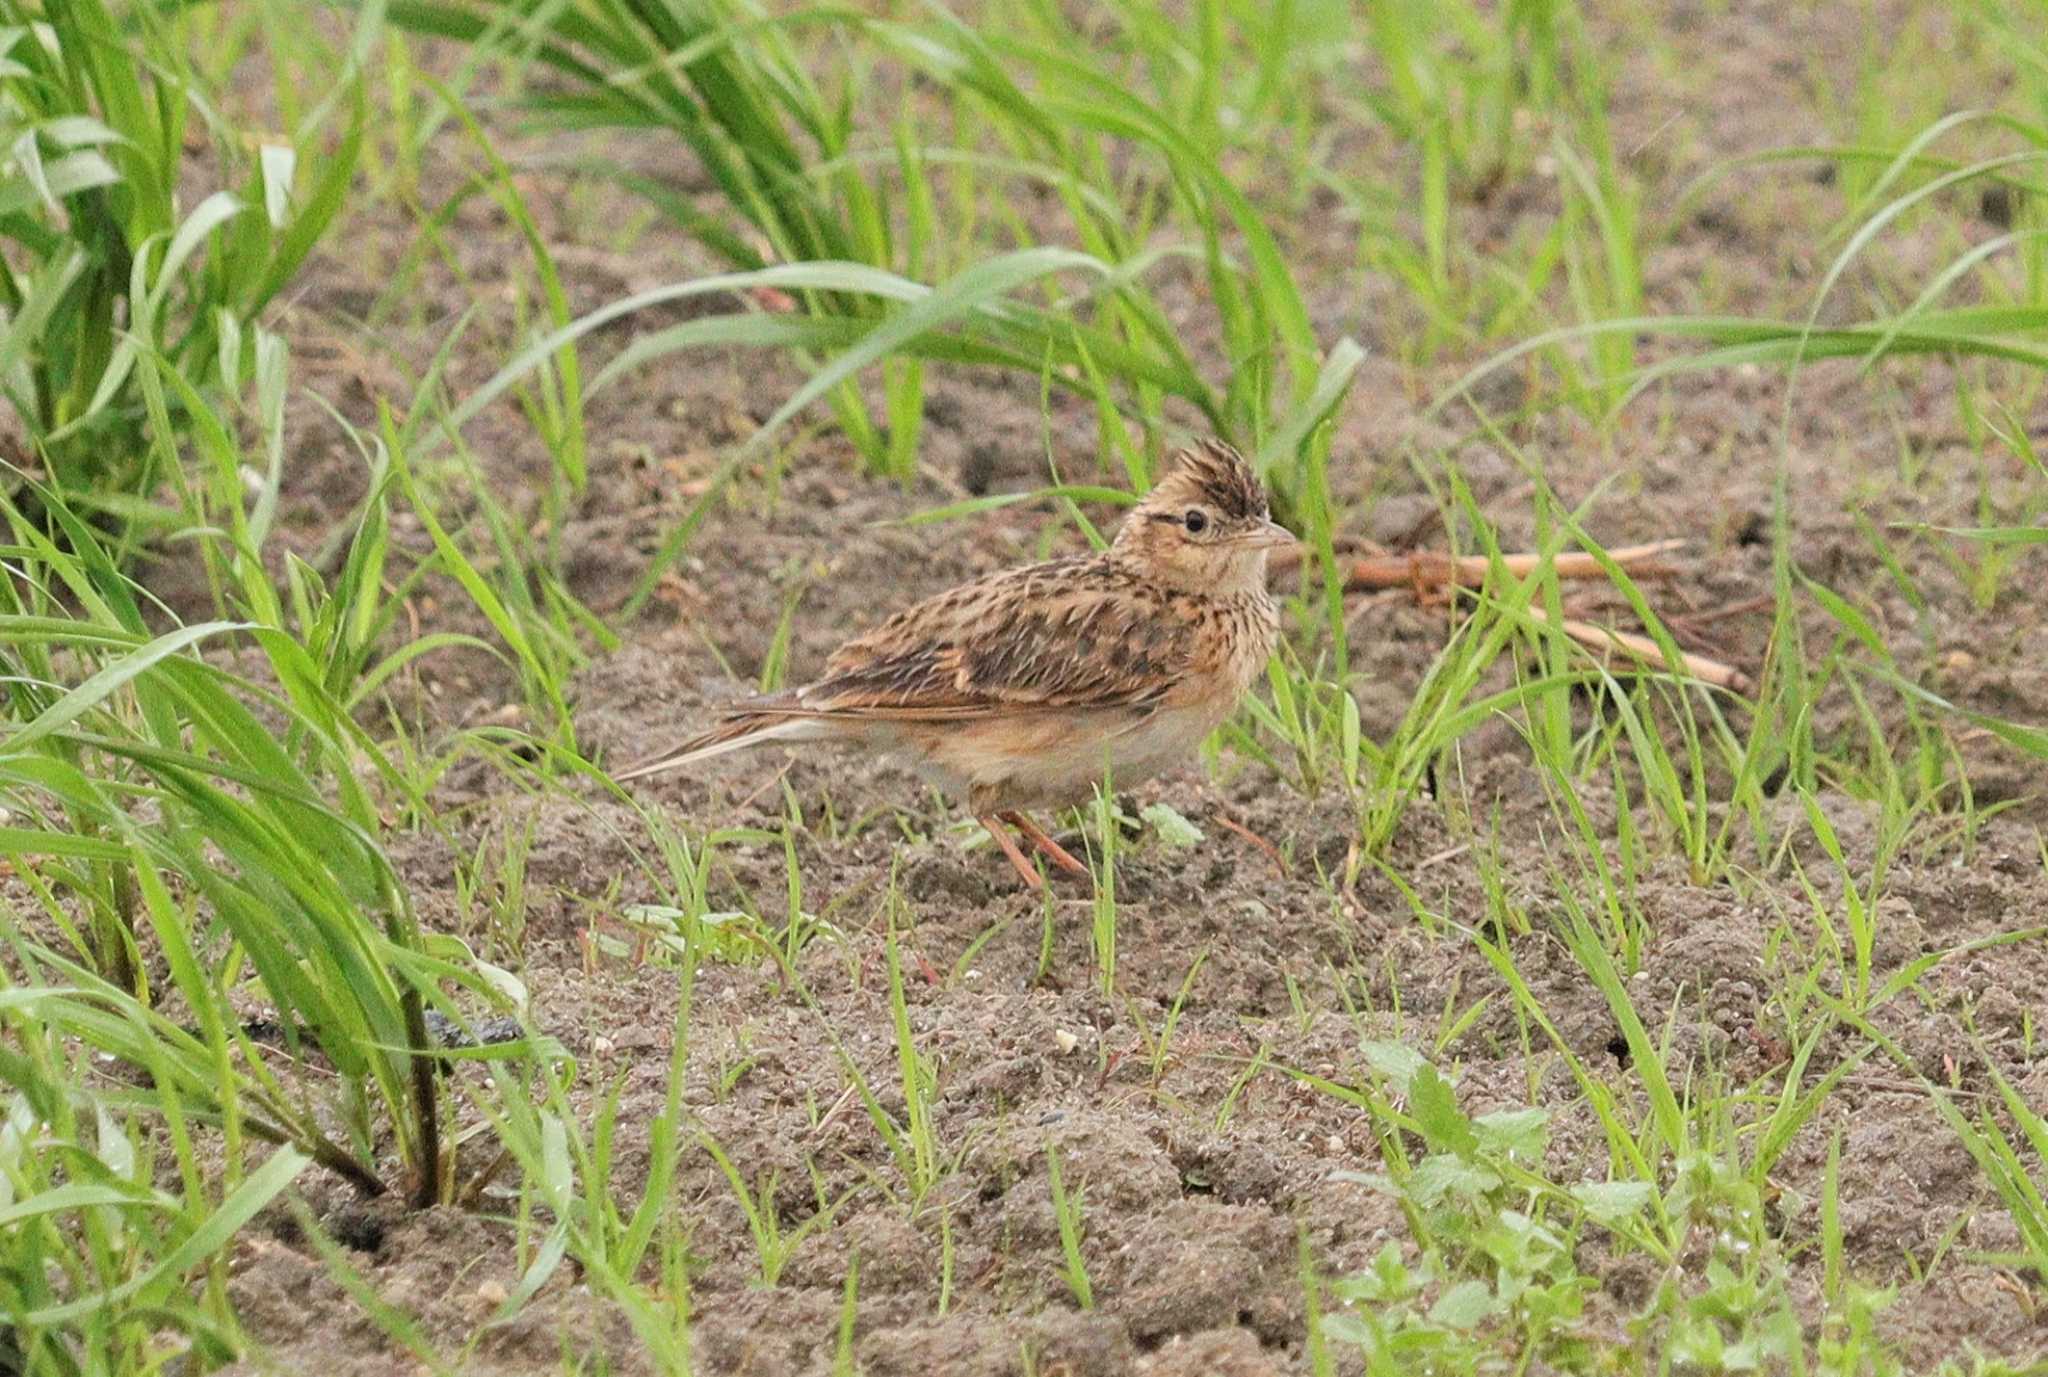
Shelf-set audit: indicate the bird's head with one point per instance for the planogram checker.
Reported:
(1204, 524)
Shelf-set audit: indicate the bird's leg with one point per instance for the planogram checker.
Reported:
(1036, 835)
(994, 825)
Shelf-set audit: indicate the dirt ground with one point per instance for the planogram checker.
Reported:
(1198, 1192)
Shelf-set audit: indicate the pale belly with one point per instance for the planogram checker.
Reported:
(1049, 760)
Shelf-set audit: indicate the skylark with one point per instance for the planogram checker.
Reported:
(1024, 688)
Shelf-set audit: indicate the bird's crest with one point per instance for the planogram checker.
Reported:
(1212, 472)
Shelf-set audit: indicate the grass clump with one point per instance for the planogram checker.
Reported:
(803, 184)
(106, 265)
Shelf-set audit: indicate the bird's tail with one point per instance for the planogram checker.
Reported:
(736, 733)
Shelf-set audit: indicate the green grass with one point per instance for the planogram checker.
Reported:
(210, 800)
(1103, 840)
(97, 1253)
(107, 263)
(1066, 1208)
(852, 231)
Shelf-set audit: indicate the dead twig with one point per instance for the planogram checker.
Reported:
(1425, 569)
(1762, 602)
(1644, 648)
(1272, 851)
(1441, 857)
(832, 1114)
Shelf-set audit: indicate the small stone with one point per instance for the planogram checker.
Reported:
(492, 1293)
(1065, 1041)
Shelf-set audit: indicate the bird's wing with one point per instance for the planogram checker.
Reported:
(1070, 634)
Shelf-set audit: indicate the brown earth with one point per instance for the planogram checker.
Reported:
(1198, 1190)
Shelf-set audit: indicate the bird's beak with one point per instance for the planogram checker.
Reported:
(1267, 535)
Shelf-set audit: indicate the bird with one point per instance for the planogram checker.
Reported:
(1024, 688)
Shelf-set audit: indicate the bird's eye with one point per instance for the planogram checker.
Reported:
(1196, 521)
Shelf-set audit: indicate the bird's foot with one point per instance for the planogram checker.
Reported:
(993, 824)
(1037, 836)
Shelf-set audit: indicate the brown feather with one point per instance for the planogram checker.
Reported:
(735, 727)
(1068, 634)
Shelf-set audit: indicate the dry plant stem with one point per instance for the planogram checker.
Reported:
(473, 1190)
(320, 1150)
(425, 1105)
(832, 1115)
(1643, 648)
(1762, 602)
(1428, 569)
(1272, 851)
(403, 930)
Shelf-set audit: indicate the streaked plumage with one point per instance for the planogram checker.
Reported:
(1021, 689)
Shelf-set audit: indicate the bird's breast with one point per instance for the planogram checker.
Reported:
(1232, 640)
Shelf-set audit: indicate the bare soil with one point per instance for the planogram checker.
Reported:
(1199, 1191)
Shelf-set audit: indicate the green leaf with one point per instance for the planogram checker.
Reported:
(1377, 1181)
(1333, 380)
(1347, 1329)
(1609, 1202)
(79, 1196)
(1448, 1176)
(969, 290)
(1852, 620)
(1997, 535)
(23, 841)
(1522, 1133)
(1435, 1105)
(974, 506)
(258, 1189)
(1464, 1306)
(278, 165)
(1174, 830)
(1397, 1061)
(65, 177)
(102, 685)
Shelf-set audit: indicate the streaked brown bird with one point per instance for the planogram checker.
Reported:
(1024, 688)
